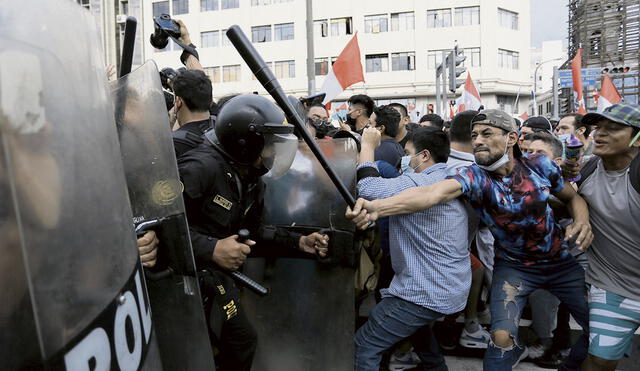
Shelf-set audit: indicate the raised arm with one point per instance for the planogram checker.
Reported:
(409, 201)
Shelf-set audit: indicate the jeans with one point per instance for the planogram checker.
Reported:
(512, 284)
(392, 320)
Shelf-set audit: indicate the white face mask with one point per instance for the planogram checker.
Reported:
(499, 162)
(405, 165)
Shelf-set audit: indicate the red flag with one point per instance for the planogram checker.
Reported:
(346, 71)
(470, 99)
(608, 94)
(524, 116)
(576, 73)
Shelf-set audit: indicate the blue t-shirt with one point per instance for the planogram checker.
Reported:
(389, 151)
(516, 209)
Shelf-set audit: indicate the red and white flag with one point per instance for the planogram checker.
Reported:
(451, 113)
(524, 116)
(470, 99)
(346, 71)
(608, 94)
(576, 74)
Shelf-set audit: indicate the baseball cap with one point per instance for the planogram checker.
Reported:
(622, 113)
(498, 119)
(538, 123)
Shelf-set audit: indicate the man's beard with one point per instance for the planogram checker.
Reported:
(487, 158)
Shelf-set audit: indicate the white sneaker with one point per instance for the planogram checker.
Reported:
(479, 339)
(536, 351)
(403, 360)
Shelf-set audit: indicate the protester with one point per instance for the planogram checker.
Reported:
(572, 124)
(360, 109)
(535, 124)
(403, 130)
(611, 185)
(429, 254)
(432, 120)
(387, 121)
(510, 195)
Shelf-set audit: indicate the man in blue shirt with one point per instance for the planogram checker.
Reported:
(387, 121)
(510, 194)
(429, 255)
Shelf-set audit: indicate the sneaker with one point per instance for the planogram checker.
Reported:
(519, 355)
(536, 351)
(551, 360)
(479, 339)
(403, 361)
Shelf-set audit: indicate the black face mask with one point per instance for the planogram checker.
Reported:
(351, 122)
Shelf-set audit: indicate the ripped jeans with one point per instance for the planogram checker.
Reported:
(510, 288)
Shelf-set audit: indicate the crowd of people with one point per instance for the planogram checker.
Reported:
(480, 215)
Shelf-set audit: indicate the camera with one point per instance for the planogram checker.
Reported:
(164, 27)
(167, 75)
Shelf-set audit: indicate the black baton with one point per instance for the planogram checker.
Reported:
(244, 280)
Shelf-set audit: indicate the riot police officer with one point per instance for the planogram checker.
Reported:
(223, 193)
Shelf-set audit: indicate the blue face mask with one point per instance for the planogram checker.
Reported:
(404, 165)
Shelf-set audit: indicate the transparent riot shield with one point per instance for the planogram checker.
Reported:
(73, 293)
(307, 321)
(155, 192)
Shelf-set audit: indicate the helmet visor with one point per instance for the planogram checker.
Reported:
(278, 153)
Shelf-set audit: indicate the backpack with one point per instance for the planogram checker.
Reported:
(590, 166)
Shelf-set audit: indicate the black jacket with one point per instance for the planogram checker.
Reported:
(219, 202)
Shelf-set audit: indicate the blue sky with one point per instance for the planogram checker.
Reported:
(548, 21)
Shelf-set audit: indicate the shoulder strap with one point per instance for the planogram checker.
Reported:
(587, 169)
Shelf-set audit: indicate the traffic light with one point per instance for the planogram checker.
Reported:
(456, 57)
(565, 105)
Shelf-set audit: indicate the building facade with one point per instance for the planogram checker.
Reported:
(400, 44)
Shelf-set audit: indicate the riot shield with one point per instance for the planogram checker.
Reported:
(307, 321)
(155, 193)
(73, 293)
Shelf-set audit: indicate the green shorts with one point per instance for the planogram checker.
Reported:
(613, 319)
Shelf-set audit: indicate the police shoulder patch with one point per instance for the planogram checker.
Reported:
(223, 202)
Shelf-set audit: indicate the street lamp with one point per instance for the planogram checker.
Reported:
(535, 84)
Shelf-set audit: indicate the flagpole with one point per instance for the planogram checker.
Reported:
(311, 72)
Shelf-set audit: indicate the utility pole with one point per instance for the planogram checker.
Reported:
(311, 66)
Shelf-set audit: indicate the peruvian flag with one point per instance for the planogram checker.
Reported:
(524, 116)
(470, 99)
(576, 74)
(346, 71)
(608, 94)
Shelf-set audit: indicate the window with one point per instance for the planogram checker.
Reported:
(438, 18)
(376, 23)
(403, 61)
(402, 21)
(506, 103)
(225, 39)
(230, 4)
(473, 57)
(508, 59)
(285, 69)
(213, 73)
(159, 8)
(210, 39)
(508, 19)
(231, 73)
(180, 7)
(207, 5)
(321, 28)
(261, 34)
(377, 63)
(269, 64)
(434, 58)
(260, 2)
(341, 26)
(283, 31)
(467, 16)
(85, 4)
(322, 66)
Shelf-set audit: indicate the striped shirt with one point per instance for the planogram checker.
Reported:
(429, 252)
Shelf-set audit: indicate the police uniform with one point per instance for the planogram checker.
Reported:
(219, 202)
(189, 136)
